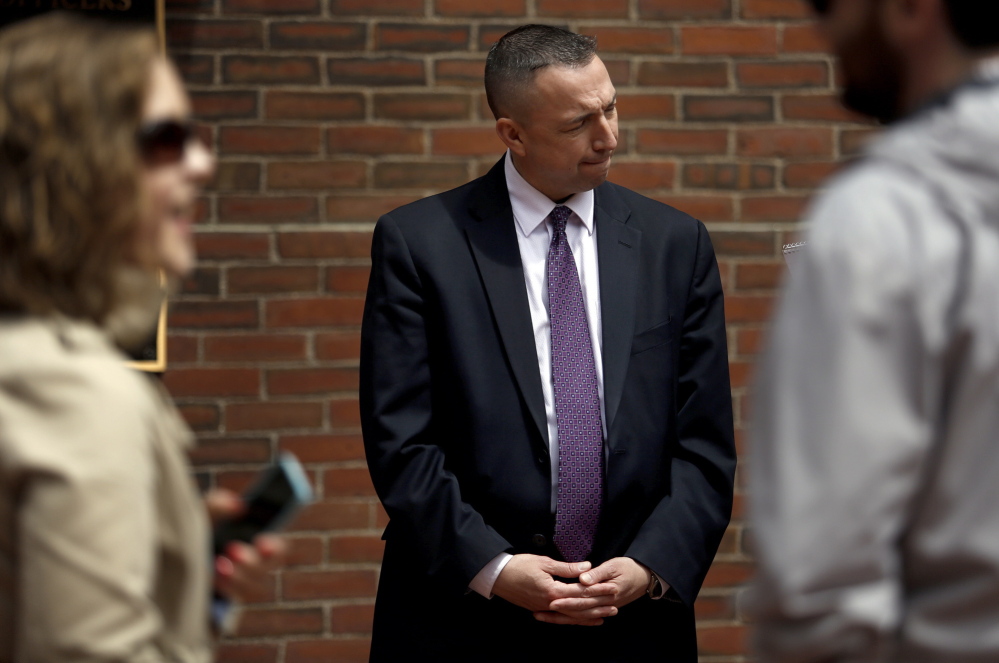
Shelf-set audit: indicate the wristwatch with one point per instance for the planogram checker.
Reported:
(655, 589)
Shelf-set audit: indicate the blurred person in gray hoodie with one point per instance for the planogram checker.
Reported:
(875, 451)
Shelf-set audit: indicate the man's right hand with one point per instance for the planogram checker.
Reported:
(528, 581)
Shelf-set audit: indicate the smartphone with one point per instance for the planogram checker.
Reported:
(276, 496)
(271, 502)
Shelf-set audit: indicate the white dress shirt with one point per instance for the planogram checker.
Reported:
(534, 235)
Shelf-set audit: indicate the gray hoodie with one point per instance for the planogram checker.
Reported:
(875, 449)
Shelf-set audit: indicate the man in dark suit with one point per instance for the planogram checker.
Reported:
(544, 393)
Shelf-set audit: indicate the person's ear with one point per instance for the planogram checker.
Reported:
(911, 23)
(511, 133)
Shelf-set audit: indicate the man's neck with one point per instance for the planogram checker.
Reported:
(556, 197)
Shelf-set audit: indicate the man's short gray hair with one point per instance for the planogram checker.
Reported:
(516, 58)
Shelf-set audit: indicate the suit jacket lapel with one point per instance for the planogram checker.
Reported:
(492, 237)
(618, 250)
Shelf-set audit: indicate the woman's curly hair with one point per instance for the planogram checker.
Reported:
(71, 96)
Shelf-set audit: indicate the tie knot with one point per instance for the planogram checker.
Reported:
(560, 215)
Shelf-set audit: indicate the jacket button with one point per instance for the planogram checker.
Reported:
(541, 460)
(539, 540)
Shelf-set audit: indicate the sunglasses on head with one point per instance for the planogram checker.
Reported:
(165, 141)
(820, 6)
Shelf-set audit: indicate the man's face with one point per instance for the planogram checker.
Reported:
(872, 69)
(568, 129)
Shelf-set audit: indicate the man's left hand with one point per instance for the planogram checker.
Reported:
(616, 582)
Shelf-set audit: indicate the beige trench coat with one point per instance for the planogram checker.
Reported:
(104, 552)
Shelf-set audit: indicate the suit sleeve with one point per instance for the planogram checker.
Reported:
(679, 539)
(422, 497)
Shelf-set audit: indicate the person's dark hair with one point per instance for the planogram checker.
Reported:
(975, 22)
(516, 58)
(71, 96)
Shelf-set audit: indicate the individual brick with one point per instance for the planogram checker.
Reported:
(729, 176)
(376, 71)
(683, 74)
(265, 416)
(583, 8)
(785, 142)
(728, 108)
(342, 650)
(347, 278)
(646, 107)
(218, 382)
(320, 175)
(313, 312)
(803, 39)
(279, 105)
(419, 175)
(269, 140)
(744, 243)
(728, 40)
(207, 33)
(379, 8)
(480, 8)
(271, 7)
(809, 175)
(232, 246)
(682, 141)
(194, 69)
(272, 279)
(782, 74)
(223, 105)
(261, 622)
(324, 448)
(269, 69)
(421, 38)
(643, 175)
(646, 41)
(334, 244)
(424, 106)
(352, 618)
(255, 347)
(324, 36)
(775, 9)
(268, 209)
(823, 108)
(705, 208)
(374, 140)
(773, 208)
(684, 9)
(461, 73)
(472, 141)
(311, 381)
(236, 176)
(214, 315)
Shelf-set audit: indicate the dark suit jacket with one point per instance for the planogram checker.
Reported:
(455, 432)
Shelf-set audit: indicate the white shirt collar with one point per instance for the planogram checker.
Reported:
(531, 207)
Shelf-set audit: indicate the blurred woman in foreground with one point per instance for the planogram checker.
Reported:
(104, 551)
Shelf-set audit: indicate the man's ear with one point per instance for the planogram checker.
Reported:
(509, 131)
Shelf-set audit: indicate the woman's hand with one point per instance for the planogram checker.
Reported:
(243, 569)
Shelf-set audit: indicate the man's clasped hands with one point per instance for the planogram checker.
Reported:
(530, 581)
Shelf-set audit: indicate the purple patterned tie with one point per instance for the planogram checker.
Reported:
(577, 402)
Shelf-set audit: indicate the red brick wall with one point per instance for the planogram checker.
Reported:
(326, 113)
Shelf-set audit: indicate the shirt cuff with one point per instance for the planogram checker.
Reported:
(484, 580)
(662, 583)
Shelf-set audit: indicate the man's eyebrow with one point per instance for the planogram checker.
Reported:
(580, 118)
